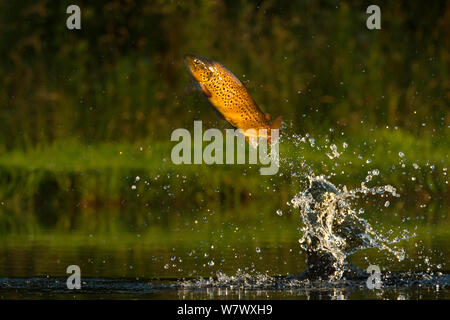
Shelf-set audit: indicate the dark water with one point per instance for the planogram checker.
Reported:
(253, 254)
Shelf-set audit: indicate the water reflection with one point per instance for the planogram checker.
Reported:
(259, 242)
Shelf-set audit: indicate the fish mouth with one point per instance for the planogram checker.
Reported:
(189, 63)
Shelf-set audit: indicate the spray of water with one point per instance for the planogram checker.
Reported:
(333, 227)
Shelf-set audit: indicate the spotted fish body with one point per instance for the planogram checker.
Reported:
(228, 95)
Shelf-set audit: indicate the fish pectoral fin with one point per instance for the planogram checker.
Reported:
(205, 91)
(276, 124)
(190, 87)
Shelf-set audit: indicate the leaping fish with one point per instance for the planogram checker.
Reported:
(229, 97)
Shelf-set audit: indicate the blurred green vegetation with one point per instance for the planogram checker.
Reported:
(77, 106)
(56, 186)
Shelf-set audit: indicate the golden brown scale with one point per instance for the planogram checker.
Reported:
(228, 95)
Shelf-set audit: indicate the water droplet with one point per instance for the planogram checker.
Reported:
(279, 212)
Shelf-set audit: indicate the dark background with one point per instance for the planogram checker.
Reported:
(121, 77)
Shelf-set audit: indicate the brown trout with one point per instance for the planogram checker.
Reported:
(229, 97)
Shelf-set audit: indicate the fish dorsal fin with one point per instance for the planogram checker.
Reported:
(276, 124)
(205, 91)
(267, 115)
